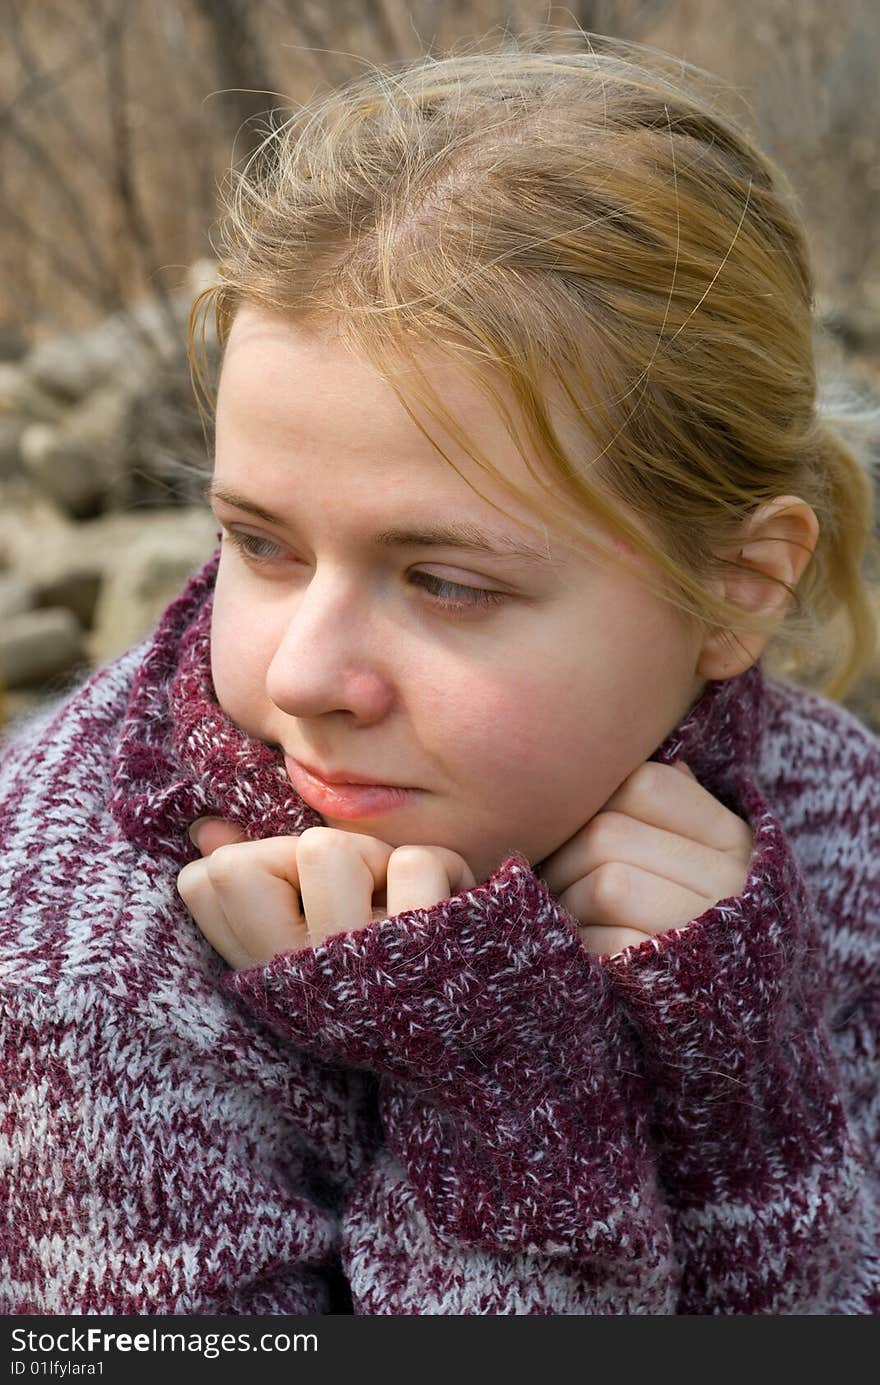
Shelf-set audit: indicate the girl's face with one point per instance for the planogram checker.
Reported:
(511, 692)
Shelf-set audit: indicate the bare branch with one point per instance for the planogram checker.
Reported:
(60, 185)
(90, 290)
(123, 166)
(242, 64)
(50, 83)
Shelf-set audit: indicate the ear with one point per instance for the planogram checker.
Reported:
(777, 542)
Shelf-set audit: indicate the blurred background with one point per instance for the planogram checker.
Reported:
(118, 120)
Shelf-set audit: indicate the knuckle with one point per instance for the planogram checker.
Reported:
(606, 831)
(224, 863)
(316, 843)
(406, 859)
(652, 779)
(678, 847)
(611, 885)
(187, 881)
(647, 783)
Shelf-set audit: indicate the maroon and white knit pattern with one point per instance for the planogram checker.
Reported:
(454, 1110)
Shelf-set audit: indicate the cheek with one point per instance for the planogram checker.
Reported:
(558, 733)
(238, 660)
(505, 732)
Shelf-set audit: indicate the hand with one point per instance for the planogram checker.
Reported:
(661, 852)
(253, 900)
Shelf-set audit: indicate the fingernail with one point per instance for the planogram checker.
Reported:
(195, 827)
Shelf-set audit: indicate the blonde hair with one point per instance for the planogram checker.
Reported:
(581, 224)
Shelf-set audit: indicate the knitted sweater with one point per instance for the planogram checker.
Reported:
(449, 1111)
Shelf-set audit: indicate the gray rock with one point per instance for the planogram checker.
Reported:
(116, 572)
(165, 332)
(77, 591)
(145, 575)
(11, 429)
(21, 396)
(15, 596)
(70, 365)
(31, 529)
(64, 470)
(38, 645)
(12, 344)
(167, 446)
(79, 462)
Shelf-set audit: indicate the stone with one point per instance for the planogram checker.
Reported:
(11, 429)
(31, 528)
(146, 575)
(167, 448)
(63, 469)
(22, 397)
(80, 462)
(12, 344)
(15, 596)
(77, 591)
(72, 364)
(37, 646)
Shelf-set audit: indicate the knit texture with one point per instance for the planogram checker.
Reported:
(449, 1111)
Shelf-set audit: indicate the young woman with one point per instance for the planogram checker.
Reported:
(524, 958)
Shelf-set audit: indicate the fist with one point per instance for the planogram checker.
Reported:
(661, 852)
(254, 900)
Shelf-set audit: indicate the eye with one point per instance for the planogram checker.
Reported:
(451, 596)
(454, 595)
(253, 546)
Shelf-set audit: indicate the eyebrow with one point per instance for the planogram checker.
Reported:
(468, 537)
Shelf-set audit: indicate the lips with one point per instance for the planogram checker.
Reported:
(343, 776)
(344, 798)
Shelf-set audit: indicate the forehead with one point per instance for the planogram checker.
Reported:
(293, 395)
(304, 389)
(308, 374)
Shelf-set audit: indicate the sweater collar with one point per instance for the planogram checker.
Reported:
(180, 757)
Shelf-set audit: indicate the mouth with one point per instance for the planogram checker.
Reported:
(341, 776)
(346, 796)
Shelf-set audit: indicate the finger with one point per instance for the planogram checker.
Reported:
(208, 833)
(256, 887)
(419, 877)
(623, 896)
(672, 811)
(672, 798)
(203, 903)
(607, 942)
(663, 795)
(613, 837)
(338, 874)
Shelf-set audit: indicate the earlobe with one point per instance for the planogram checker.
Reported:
(775, 547)
(724, 655)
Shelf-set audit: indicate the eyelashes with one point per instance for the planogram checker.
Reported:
(454, 593)
(248, 544)
(452, 596)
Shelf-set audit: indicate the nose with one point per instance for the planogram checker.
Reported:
(328, 657)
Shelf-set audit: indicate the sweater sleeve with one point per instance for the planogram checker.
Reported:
(517, 1174)
(658, 1132)
(766, 1174)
